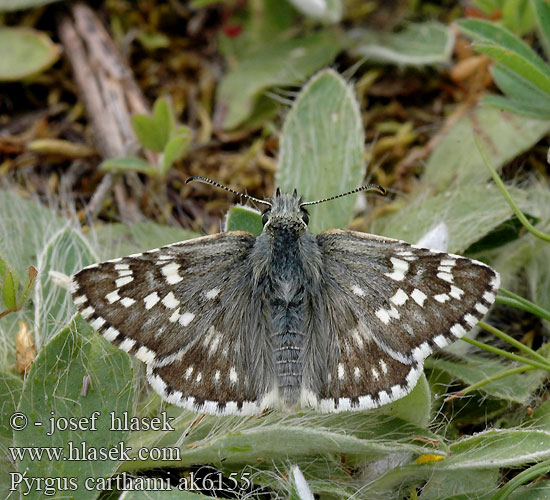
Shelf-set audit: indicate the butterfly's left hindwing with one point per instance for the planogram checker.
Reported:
(182, 309)
(394, 304)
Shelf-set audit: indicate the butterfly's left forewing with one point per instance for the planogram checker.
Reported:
(182, 309)
(396, 304)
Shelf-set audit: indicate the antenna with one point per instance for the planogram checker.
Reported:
(205, 180)
(368, 187)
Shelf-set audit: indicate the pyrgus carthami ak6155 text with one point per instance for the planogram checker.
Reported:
(234, 324)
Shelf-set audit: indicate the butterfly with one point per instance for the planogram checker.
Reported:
(234, 323)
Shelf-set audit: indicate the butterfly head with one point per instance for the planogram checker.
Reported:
(285, 211)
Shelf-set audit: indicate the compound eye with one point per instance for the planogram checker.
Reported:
(305, 216)
(265, 217)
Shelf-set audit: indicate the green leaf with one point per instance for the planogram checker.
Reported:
(469, 212)
(290, 436)
(509, 230)
(524, 97)
(419, 44)
(66, 252)
(9, 291)
(487, 33)
(11, 388)
(456, 159)
(176, 148)
(518, 107)
(260, 25)
(542, 17)
(280, 63)
(518, 388)
(243, 218)
(54, 386)
(165, 121)
(517, 16)
(538, 490)
(154, 132)
(25, 52)
(322, 147)
(415, 407)
(540, 77)
(128, 163)
(153, 41)
(3, 268)
(498, 448)
(9, 5)
(21, 242)
(460, 484)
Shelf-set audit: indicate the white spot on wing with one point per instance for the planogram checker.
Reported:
(419, 297)
(175, 316)
(399, 298)
(233, 375)
(458, 330)
(400, 268)
(384, 367)
(170, 271)
(448, 262)
(98, 323)
(80, 300)
(151, 300)
(358, 291)
(357, 337)
(112, 297)
(145, 354)
(127, 344)
(445, 277)
(471, 320)
(170, 301)
(86, 313)
(442, 297)
(341, 373)
(480, 308)
(214, 344)
(421, 352)
(383, 315)
(440, 341)
(127, 302)
(383, 398)
(111, 334)
(123, 281)
(456, 293)
(212, 294)
(186, 318)
(122, 267)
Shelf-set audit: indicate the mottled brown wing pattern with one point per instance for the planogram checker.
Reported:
(396, 304)
(180, 309)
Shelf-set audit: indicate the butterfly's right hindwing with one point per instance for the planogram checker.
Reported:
(182, 309)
